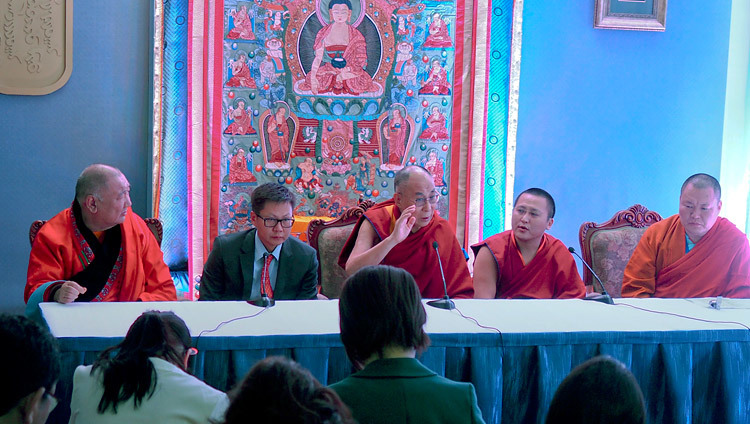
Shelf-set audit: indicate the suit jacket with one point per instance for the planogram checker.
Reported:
(228, 273)
(178, 398)
(402, 390)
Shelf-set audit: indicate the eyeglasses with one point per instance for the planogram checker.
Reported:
(431, 199)
(271, 222)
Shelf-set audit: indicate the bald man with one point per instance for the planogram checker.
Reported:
(692, 254)
(98, 249)
(401, 232)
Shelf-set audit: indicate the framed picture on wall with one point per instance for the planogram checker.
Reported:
(638, 15)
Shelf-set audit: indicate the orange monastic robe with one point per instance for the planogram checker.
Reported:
(718, 265)
(55, 255)
(416, 253)
(552, 274)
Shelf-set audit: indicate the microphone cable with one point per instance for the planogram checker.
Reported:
(223, 323)
(685, 316)
(486, 327)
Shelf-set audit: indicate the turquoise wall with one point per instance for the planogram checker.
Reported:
(612, 118)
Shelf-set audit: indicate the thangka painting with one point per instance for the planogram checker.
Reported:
(332, 98)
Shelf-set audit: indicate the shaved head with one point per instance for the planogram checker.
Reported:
(402, 177)
(703, 181)
(93, 179)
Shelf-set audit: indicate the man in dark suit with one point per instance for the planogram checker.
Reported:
(240, 263)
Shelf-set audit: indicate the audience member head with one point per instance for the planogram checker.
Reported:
(103, 194)
(601, 390)
(700, 204)
(129, 373)
(272, 214)
(31, 368)
(381, 309)
(279, 390)
(533, 214)
(415, 186)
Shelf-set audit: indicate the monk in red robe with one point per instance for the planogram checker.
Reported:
(692, 254)
(98, 249)
(525, 262)
(401, 232)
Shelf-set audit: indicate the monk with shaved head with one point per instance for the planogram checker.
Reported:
(692, 254)
(98, 249)
(402, 232)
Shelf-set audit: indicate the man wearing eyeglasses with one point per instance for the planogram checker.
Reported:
(241, 263)
(401, 232)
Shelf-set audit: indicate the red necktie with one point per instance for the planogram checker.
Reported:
(265, 277)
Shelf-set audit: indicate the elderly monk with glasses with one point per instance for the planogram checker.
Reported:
(402, 232)
(241, 263)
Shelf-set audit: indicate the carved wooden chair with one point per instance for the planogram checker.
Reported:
(607, 247)
(328, 238)
(154, 224)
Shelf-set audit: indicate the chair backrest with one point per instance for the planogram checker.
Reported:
(607, 247)
(328, 238)
(154, 224)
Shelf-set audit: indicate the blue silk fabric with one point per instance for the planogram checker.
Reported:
(686, 376)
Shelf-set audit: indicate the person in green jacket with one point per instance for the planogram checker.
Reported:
(381, 321)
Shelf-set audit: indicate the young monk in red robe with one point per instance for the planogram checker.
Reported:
(525, 262)
(98, 249)
(400, 232)
(692, 254)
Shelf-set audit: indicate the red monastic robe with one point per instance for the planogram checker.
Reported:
(144, 276)
(718, 265)
(552, 274)
(416, 253)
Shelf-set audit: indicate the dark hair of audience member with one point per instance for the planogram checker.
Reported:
(270, 192)
(30, 360)
(279, 390)
(380, 306)
(601, 390)
(129, 373)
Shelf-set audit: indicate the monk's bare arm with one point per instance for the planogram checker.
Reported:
(485, 274)
(367, 250)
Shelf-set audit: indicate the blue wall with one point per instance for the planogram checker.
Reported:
(611, 118)
(100, 115)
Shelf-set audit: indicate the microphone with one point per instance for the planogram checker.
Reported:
(264, 301)
(604, 297)
(445, 302)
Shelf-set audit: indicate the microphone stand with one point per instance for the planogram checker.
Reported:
(445, 302)
(604, 297)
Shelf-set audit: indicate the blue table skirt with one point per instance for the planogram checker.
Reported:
(686, 376)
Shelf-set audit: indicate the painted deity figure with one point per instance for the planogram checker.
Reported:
(272, 64)
(242, 120)
(243, 25)
(436, 167)
(437, 80)
(396, 136)
(273, 18)
(365, 173)
(240, 73)
(239, 171)
(277, 128)
(438, 36)
(307, 178)
(405, 69)
(340, 56)
(436, 126)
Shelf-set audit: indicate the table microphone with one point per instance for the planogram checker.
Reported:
(445, 302)
(604, 297)
(264, 301)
